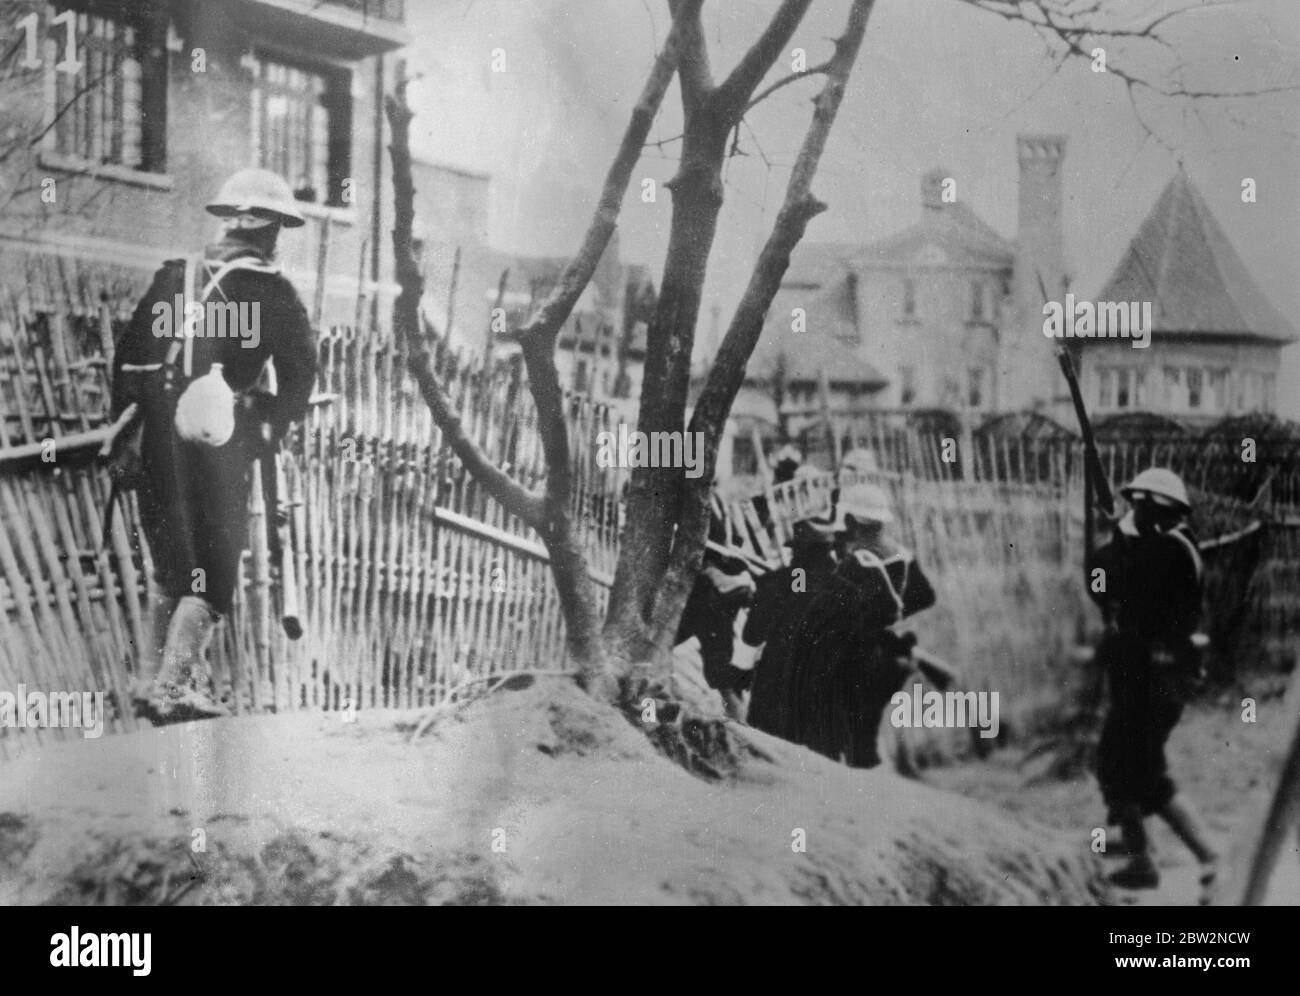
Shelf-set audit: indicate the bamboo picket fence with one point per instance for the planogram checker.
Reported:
(414, 583)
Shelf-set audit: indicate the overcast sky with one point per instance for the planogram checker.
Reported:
(937, 84)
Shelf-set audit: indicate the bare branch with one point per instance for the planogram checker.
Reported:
(735, 91)
(547, 320)
(509, 493)
(728, 370)
(785, 81)
(1071, 26)
(693, 56)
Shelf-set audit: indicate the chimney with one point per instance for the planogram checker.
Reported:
(1040, 250)
(932, 189)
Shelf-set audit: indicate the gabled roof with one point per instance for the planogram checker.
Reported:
(814, 264)
(955, 228)
(1182, 262)
(803, 355)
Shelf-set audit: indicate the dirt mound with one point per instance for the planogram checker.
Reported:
(535, 795)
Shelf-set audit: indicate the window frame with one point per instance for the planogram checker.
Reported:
(1105, 388)
(909, 298)
(339, 107)
(907, 384)
(976, 393)
(149, 52)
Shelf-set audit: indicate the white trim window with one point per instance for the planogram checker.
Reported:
(302, 124)
(105, 88)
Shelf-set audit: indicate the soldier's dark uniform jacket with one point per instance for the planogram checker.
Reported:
(1153, 593)
(773, 621)
(845, 662)
(194, 498)
(710, 614)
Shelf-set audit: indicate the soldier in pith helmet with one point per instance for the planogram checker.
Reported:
(1149, 587)
(204, 421)
(847, 663)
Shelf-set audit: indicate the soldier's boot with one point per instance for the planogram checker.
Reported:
(1140, 872)
(1186, 825)
(159, 610)
(183, 666)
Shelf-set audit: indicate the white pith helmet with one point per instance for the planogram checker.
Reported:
(259, 192)
(859, 461)
(865, 502)
(1161, 485)
(787, 454)
(205, 411)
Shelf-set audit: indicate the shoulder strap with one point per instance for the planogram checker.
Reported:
(868, 558)
(184, 340)
(238, 263)
(1190, 546)
(191, 285)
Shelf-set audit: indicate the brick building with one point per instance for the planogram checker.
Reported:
(121, 120)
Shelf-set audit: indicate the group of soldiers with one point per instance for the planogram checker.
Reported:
(832, 659)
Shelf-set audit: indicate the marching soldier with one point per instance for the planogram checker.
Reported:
(1147, 580)
(203, 422)
(722, 588)
(779, 603)
(845, 661)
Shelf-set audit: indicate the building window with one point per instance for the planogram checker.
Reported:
(1175, 390)
(907, 385)
(1121, 388)
(1251, 391)
(975, 387)
(1123, 395)
(111, 110)
(302, 128)
(909, 297)
(1195, 380)
(977, 301)
(1105, 388)
(1218, 390)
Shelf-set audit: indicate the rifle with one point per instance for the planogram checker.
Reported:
(279, 539)
(280, 516)
(1094, 474)
(1095, 484)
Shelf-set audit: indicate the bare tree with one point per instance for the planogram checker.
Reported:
(667, 513)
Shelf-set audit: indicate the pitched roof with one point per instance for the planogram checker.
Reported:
(953, 227)
(814, 264)
(1182, 262)
(803, 355)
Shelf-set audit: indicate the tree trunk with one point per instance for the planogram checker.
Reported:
(655, 493)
